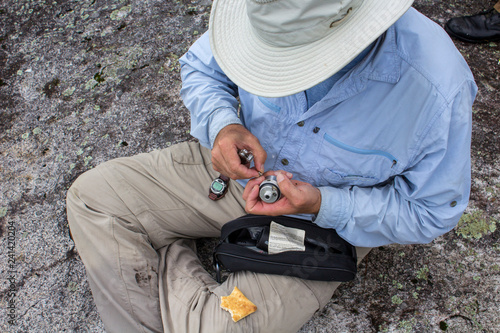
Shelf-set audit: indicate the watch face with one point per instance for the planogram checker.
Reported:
(218, 186)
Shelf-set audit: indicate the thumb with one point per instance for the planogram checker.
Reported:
(259, 157)
(286, 186)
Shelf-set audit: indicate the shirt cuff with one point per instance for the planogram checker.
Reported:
(219, 119)
(335, 208)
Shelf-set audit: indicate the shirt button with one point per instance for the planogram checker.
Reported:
(284, 161)
(300, 123)
(316, 129)
(453, 203)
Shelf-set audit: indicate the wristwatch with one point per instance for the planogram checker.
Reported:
(219, 187)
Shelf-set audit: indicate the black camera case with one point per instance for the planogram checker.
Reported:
(243, 246)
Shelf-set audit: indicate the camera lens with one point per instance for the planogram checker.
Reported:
(269, 191)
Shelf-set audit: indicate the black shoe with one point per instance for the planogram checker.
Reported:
(479, 28)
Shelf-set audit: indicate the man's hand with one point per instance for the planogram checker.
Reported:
(296, 197)
(225, 157)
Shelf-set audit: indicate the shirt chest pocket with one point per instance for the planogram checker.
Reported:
(340, 164)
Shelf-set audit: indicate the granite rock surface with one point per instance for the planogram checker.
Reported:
(82, 82)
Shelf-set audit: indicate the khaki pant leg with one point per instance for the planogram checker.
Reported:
(122, 211)
(190, 298)
(120, 262)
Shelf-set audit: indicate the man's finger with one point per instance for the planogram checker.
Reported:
(252, 199)
(251, 183)
(286, 186)
(259, 157)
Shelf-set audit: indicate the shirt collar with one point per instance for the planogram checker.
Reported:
(382, 63)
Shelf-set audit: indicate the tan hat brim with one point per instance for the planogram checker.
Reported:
(270, 71)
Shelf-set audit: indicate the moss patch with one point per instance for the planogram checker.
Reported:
(475, 225)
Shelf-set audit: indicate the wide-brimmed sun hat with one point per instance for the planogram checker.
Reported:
(275, 48)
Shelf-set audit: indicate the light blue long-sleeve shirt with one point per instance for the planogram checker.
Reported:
(388, 146)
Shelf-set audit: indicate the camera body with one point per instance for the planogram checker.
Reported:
(269, 190)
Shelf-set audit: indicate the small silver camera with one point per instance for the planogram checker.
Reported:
(269, 190)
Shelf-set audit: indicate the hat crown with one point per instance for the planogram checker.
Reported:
(296, 22)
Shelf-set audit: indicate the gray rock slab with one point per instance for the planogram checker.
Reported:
(82, 82)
